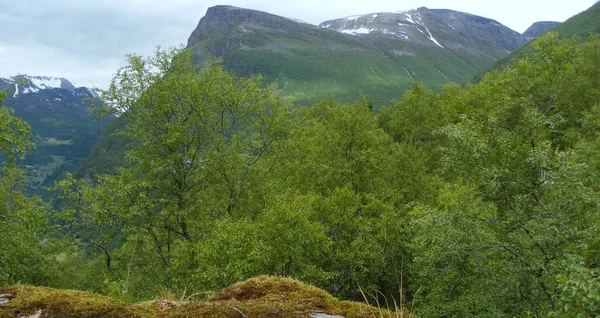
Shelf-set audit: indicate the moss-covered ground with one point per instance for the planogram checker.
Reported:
(263, 296)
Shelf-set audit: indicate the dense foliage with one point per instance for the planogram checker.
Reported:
(477, 201)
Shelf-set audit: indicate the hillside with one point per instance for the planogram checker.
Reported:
(62, 128)
(538, 28)
(584, 24)
(380, 54)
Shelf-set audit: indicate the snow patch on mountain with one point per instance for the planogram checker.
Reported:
(44, 82)
(361, 30)
(26, 84)
(418, 21)
(379, 23)
(28, 90)
(409, 17)
(299, 21)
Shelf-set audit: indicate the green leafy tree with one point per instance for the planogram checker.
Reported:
(510, 148)
(21, 218)
(579, 288)
(202, 137)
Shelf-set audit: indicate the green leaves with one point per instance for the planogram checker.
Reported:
(22, 223)
(579, 288)
(14, 136)
(472, 198)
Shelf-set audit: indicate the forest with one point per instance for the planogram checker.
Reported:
(479, 200)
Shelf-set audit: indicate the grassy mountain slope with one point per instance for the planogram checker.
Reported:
(308, 63)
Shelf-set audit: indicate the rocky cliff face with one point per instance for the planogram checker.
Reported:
(226, 28)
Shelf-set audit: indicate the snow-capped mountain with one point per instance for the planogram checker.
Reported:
(379, 54)
(62, 129)
(396, 24)
(26, 84)
(435, 27)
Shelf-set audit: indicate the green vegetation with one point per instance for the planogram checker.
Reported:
(21, 218)
(580, 26)
(63, 134)
(263, 296)
(309, 63)
(477, 201)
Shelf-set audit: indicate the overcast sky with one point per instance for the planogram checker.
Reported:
(85, 41)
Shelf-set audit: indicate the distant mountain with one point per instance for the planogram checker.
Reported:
(63, 131)
(586, 23)
(380, 54)
(538, 28)
(455, 29)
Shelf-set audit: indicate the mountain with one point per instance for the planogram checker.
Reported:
(63, 131)
(584, 24)
(380, 54)
(454, 29)
(538, 28)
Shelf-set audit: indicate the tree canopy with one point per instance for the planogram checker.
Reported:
(480, 200)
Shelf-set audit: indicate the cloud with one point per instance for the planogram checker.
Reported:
(85, 41)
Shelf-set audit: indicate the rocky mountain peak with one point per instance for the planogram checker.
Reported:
(221, 18)
(225, 28)
(27, 84)
(434, 27)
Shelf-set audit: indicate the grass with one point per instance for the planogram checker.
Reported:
(262, 296)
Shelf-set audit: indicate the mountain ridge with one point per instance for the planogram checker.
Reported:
(25, 84)
(62, 130)
(581, 26)
(308, 62)
(402, 22)
(537, 28)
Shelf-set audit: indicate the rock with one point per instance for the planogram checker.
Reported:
(37, 314)
(4, 299)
